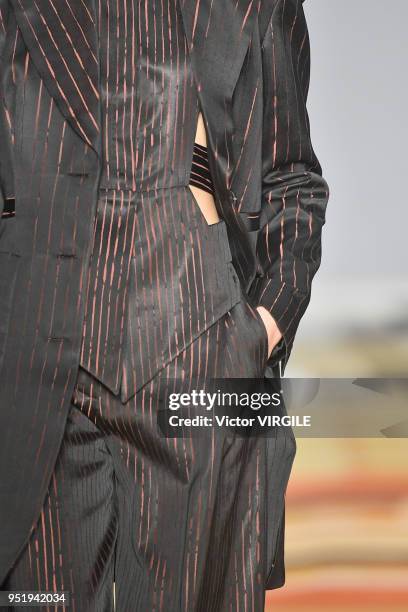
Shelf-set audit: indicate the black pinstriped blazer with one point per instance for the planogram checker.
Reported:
(251, 63)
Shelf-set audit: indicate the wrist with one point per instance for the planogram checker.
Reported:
(273, 332)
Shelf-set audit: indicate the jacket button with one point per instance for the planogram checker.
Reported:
(259, 270)
(233, 196)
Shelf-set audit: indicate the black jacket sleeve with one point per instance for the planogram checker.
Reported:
(294, 193)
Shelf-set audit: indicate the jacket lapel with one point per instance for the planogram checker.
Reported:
(61, 38)
(218, 33)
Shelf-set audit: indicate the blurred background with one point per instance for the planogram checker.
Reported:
(347, 500)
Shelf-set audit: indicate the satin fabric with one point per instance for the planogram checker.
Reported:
(158, 275)
(252, 86)
(177, 523)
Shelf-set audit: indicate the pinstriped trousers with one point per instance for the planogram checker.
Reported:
(175, 524)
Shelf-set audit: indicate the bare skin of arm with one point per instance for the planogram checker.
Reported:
(207, 206)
